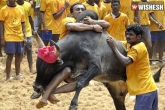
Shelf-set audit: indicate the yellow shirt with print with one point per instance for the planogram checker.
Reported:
(71, 2)
(160, 16)
(48, 7)
(12, 17)
(139, 77)
(117, 25)
(27, 8)
(125, 7)
(2, 3)
(58, 5)
(108, 7)
(93, 8)
(65, 31)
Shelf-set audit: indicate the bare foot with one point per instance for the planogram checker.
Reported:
(52, 99)
(41, 104)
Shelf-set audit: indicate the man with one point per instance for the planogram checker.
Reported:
(118, 21)
(139, 77)
(13, 35)
(68, 23)
(29, 27)
(75, 9)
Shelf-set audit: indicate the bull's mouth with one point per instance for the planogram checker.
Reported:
(38, 90)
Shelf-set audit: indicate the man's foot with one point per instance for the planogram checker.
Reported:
(41, 104)
(19, 77)
(52, 99)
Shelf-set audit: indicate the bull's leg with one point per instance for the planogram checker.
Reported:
(90, 74)
(118, 91)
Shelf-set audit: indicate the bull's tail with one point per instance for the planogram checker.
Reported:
(156, 76)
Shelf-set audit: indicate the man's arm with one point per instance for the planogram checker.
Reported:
(56, 15)
(1, 29)
(123, 59)
(104, 24)
(83, 27)
(154, 20)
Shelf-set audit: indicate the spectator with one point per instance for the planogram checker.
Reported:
(118, 21)
(29, 27)
(12, 35)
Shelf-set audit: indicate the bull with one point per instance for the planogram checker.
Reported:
(87, 51)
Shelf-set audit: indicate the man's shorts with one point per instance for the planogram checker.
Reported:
(146, 32)
(147, 101)
(14, 47)
(47, 36)
(158, 35)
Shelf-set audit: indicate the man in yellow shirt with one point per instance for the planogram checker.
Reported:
(29, 27)
(118, 21)
(13, 35)
(158, 32)
(139, 77)
(90, 5)
(2, 4)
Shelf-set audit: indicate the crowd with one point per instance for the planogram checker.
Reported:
(53, 19)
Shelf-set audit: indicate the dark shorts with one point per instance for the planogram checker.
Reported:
(148, 101)
(46, 36)
(14, 47)
(55, 37)
(146, 32)
(158, 35)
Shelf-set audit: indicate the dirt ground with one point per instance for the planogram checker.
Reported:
(15, 94)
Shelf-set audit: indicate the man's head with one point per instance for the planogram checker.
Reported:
(134, 33)
(11, 2)
(20, 2)
(115, 5)
(93, 15)
(76, 9)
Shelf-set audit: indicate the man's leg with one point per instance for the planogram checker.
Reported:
(8, 65)
(52, 86)
(28, 49)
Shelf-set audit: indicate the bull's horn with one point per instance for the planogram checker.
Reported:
(57, 47)
(39, 40)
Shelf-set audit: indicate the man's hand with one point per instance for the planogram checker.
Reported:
(160, 26)
(111, 42)
(97, 28)
(88, 20)
(66, 4)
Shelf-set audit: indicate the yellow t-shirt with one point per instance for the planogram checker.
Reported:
(2, 3)
(71, 2)
(160, 16)
(82, 1)
(125, 7)
(27, 8)
(117, 26)
(102, 11)
(108, 7)
(93, 8)
(48, 7)
(58, 5)
(12, 17)
(139, 77)
(65, 31)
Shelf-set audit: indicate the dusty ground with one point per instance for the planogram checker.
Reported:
(15, 95)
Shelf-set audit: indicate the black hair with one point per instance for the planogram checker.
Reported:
(90, 13)
(113, 1)
(77, 3)
(136, 28)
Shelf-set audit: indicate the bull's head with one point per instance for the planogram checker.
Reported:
(44, 70)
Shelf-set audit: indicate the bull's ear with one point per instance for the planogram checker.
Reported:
(39, 40)
(57, 47)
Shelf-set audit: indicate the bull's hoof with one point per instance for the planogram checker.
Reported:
(73, 108)
(35, 95)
